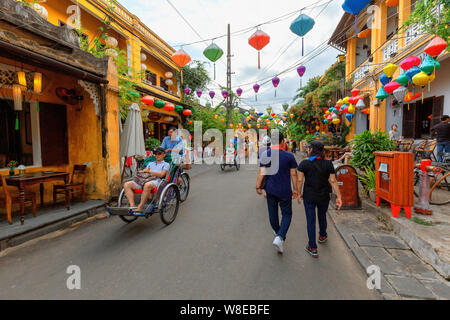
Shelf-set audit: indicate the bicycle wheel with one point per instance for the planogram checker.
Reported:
(439, 191)
(416, 183)
(184, 186)
(237, 163)
(170, 204)
(124, 203)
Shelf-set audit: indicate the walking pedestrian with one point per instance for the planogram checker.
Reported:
(443, 136)
(278, 188)
(319, 177)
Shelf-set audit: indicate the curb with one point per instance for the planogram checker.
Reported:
(423, 249)
(18, 239)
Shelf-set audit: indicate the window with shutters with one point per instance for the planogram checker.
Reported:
(150, 77)
(53, 128)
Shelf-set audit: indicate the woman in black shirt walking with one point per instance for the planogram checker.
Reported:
(319, 177)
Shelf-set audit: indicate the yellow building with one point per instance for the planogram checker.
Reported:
(59, 105)
(382, 38)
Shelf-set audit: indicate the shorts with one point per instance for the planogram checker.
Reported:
(156, 183)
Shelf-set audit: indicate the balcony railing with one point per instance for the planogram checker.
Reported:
(390, 49)
(362, 71)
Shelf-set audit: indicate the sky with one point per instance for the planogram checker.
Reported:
(210, 19)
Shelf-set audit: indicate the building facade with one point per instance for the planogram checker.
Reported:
(381, 38)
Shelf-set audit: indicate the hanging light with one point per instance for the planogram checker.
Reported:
(37, 82)
(17, 94)
(22, 78)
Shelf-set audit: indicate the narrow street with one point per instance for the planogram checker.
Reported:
(219, 247)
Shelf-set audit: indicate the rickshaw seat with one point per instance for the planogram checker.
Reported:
(140, 191)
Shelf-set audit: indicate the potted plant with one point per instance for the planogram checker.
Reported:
(368, 180)
(152, 143)
(12, 165)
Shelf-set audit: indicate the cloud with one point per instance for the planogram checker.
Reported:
(210, 19)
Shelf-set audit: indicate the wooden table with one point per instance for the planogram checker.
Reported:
(21, 181)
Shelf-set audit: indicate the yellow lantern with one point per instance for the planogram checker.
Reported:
(17, 94)
(22, 78)
(422, 79)
(307, 131)
(390, 69)
(292, 116)
(249, 126)
(37, 82)
(345, 100)
(327, 112)
(351, 109)
(258, 125)
(336, 121)
(317, 128)
(231, 126)
(340, 102)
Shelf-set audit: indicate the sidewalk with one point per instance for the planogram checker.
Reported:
(373, 242)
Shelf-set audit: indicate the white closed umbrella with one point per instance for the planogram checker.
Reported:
(132, 138)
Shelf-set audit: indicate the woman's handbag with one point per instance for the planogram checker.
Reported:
(142, 178)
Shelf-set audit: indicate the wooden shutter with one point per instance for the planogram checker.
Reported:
(53, 127)
(409, 120)
(438, 110)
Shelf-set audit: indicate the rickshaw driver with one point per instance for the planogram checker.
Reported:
(159, 169)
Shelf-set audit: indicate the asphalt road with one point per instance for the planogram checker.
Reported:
(219, 247)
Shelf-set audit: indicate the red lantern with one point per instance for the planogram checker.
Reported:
(352, 100)
(391, 86)
(190, 121)
(355, 92)
(148, 100)
(169, 107)
(273, 114)
(187, 112)
(435, 47)
(259, 40)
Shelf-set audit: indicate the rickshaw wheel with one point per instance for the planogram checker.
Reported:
(184, 186)
(170, 204)
(123, 203)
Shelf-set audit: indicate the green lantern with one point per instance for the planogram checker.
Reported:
(403, 79)
(429, 65)
(179, 108)
(213, 52)
(382, 94)
(159, 104)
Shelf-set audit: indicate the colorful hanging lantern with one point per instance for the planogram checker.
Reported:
(276, 82)
(259, 40)
(422, 79)
(169, 107)
(301, 71)
(384, 79)
(355, 7)
(410, 62)
(179, 108)
(400, 93)
(239, 92)
(336, 121)
(159, 104)
(213, 52)
(181, 58)
(392, 3)
(430, 65)
(223, 120)
(355, 92)
(291, 115)
(390, 69)
(411, 72)
(340, 102)
(301, 26)
(349, 117)
(403, 79)
(256, 89)
(360, 104)
(187, 91)
(199, 93)
(212, 94)
(436, 46)
(345, 100)
(391, 86)
(382, 94)
(351, 109)
(148, 100)
(187, 112)
(224, 94)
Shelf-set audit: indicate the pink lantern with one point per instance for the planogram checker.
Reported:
(276, 82)
(212, 94)
(224, 94)
(256, 89)
(199, 93)
(187, 91)
(410, 62)
(239, 92)
(391, 86)
(301, 71)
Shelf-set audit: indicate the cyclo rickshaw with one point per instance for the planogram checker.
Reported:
(230, 159)
(165, 200)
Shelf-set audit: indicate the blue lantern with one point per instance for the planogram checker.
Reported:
(411, 72)
(349, 117)
(301, 26)
(355, 7)
(384, 79)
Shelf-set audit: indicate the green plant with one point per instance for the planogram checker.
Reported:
(368, 179)
(422, 222)
(365, 144)
(310, 137)
(152, 143)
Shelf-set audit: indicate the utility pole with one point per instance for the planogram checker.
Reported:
(229, 99)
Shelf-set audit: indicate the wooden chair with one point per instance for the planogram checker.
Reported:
(426, 150)
(10, 199)
(77, 181)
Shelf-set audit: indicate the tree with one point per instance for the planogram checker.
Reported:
(195, 77)
(426, 17)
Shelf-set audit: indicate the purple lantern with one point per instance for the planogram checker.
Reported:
(276, 82)
(301, 71)
(187, 91)
(256, 88)
(239, 92)
(199, 93)
(224, 94)
(212, 94)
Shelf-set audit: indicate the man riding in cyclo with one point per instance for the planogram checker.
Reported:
(149, 179)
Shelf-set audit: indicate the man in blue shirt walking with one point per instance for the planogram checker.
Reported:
(278, 187)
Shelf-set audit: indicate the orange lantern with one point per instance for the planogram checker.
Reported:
(259, 40)
(223, 120)
(181, 58)
(392, 3)
(435, 47)
(365, 33)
